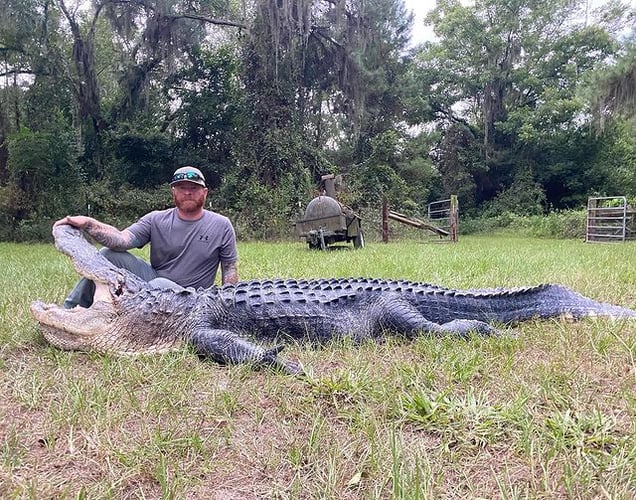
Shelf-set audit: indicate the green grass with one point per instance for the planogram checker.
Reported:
(548, 414)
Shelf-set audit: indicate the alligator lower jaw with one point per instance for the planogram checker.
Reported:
(93, 329)
(73, 328)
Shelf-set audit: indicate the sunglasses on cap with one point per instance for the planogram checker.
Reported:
(186, 176)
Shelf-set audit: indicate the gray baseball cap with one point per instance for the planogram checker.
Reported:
(188, 174)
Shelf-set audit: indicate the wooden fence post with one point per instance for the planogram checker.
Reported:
(385, 220)
(454, 217)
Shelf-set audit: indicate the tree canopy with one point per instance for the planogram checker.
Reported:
(524, 105)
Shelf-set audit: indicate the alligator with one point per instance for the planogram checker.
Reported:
(245, 323)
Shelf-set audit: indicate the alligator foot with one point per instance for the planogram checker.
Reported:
(288, 367)
(227, 347)
(465, 327)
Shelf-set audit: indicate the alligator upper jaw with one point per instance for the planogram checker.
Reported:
(91, 264)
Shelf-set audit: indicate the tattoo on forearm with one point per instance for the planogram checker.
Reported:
(229, 272)
(108, 236)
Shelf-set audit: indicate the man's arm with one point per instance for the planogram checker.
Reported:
(229, 273)
(105, 234)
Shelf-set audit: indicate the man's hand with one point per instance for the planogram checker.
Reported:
(104, 234)
(78, 221)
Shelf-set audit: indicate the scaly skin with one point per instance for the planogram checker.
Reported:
(222, 323)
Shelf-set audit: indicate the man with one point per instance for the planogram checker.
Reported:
(187, 242)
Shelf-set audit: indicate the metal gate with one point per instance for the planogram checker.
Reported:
(609, 219)
(445, 215)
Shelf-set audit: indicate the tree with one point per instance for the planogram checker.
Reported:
(32, 47)
(43, 177)
(129, 43)
(614, 89)
(510, 72)
(212, 109)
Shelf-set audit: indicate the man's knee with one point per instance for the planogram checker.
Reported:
(120, 259)
(126, 260)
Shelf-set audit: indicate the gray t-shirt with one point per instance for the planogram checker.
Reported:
(186, 252)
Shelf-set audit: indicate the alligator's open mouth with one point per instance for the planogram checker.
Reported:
(80, 328)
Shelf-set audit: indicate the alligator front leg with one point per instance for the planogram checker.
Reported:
(226, 347)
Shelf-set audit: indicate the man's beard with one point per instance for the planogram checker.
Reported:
(190, 205)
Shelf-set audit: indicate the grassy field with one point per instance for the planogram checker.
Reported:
(546, 414)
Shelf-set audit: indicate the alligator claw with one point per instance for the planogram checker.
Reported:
(290, 367)
(285, 366)
(273, 351)
(464, 327)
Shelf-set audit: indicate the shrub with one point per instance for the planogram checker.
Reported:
(569, 224)
(262, 212)
(127, 205)
(523, 197)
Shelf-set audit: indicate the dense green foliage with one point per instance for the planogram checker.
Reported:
(522, 107)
